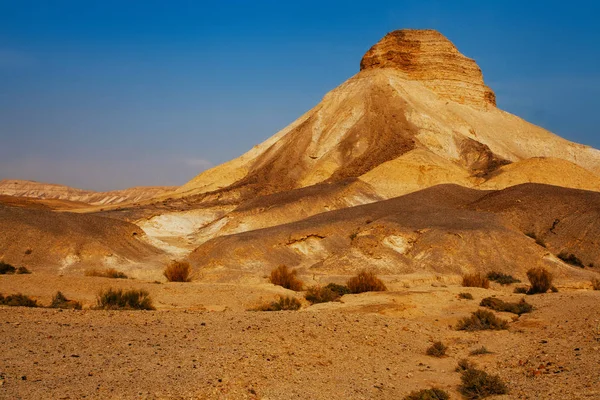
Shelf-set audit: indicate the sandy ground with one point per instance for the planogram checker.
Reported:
(369, 346)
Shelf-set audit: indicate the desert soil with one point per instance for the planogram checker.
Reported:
(202, 344)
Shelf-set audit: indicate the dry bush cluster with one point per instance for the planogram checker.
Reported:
(60, 301)
(365, 281)
(540, 280)
(475, 280)
(481, 320)
(437, 349)
(286, 303)
(178, 271)
(519, 308)
(478, 384)
(571, 259)
(501, 278)
(118, 299)
(18, 300)
(106, 273)
(428, 394)
(324, 294)
(10, 269)
(284, 277)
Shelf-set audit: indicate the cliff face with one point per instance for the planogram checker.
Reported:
(429, 57)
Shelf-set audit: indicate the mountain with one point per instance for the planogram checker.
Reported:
(21, 188)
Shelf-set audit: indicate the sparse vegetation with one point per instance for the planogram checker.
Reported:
(339, 289)
(6, 268)
(287, 303)
(538, 240)
(477, 384)
(480, 351)
(596, 284)
(106, 273)
(22, 271)
(319, 294)
(438, 349)
(501, 278)
(118, 299)
(60, 301)
(540, 279)
(465, 364)
(365, 281)
(475, 280)
(465, 295)
(553, 289)
(18, 300)
(519, 308)
(178, 271)
(283, 276)
(428, 394)
(521, 290)
(481, 320)
(571, 258)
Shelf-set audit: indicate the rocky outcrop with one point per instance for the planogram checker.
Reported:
(429, 57)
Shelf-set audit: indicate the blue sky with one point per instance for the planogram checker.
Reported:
(110, 94)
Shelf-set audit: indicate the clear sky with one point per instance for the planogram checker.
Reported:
(114, 93)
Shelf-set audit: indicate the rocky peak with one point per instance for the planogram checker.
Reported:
(429, 57)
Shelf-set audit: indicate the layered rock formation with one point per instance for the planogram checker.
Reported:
(429, 57)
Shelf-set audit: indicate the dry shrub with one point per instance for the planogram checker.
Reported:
(465, 295)
(60, 301)
(339, 289)
(465, 364)
(318, 294)
(596, 284)
(480, 351)
(438, 349)
(428, 394)
(476, 280)
(365, 281)
(6, 268)
(571, 259)
(519, 308)
(178, 271)
(22, 271)
(287, 303)
(540, 279)
(118, 299)
(501, 278)
(521, 290)
(477, 384)
(283, 276)
(106, 273)
(481, 320)
(18, 300)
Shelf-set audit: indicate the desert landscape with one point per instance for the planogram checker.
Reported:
(403, 239)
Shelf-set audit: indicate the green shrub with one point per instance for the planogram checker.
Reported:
(118, 299)
(428, 394)
(540, 279)
(18, 300)
(6, 268)
(287, 303)
(465, 295)
(519, 308)
(437, 349)
(60, 301)
(106, 273)
(501, 278)
(481, 320)
(477, 384)
(178, 271)
(284, 277)
(475, 280)
(571, 259)
(480, 351)
(318, 294)
(365, 281)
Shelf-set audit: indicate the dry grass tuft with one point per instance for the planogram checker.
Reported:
(428, 394)
(284, 277)
(480, 351)
(117, 299)
(540, 279)
(18, 300)
(481, 320)
(477, 384)
(475, 280)
(365, 281)
(178, 271)
(519, 308)
(60, 301)
(438, 349)
(106, 273)
(287, 303)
